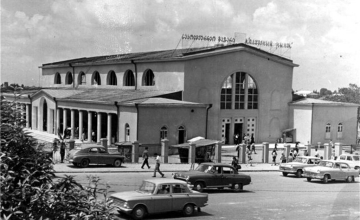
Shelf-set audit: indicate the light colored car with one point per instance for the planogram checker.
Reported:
(214, 175)
(296, 167)
(95, 155)
(352, 159)
(159, 195)
(331, 170)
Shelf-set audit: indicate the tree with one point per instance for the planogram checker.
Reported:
(350, 95)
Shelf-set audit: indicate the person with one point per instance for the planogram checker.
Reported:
(295, 154)
(235, 163)
(248, 152)
(332, 157)
(290, 158)
(253, 147)
(274, 155)
(164, 189)
(62, 151)
(145, 157)
(236, 138)
(55, 150)
(157, 166)
(65, 132)
(252, 139)
(83, 136)
(283, 158)
(331, 144)
(316, 153)
(248, 144)
(275, 147)
(93, 138)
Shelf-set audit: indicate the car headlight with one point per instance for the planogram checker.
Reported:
(126, 205)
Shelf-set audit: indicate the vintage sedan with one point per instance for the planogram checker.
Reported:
(159, 195)
(214, 175)
(331, 170)
(296, 167)
(95, 155)
(352, 159)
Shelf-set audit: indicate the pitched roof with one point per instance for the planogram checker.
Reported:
(310, 101)
(163, 101)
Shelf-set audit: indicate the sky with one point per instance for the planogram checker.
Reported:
(324, 34)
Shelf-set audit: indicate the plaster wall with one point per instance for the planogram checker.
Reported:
(38, 102)
(301, 120)
(205, 76)
(128, 115)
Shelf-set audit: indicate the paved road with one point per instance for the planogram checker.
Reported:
(270, 196)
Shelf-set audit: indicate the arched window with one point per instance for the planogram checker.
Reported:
(163, 132)
(328, 131)
(96, 80)
(129, 79)
(111, 79)
(340, 131)
(148, 78)
(82, 78)
(127, 132)
(181, 135)
(239, 91)
(68, 78)
(57, 79)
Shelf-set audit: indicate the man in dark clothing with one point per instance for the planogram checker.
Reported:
(145, 156)
(62, 151)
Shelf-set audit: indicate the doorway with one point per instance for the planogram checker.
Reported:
(45, 109)
(238, 130)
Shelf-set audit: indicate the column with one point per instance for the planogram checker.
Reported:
(72, 119)
(103, 142)
(64, 120)
(266, 152)
(287, 151)
(98, 127)
(218, 152)
(27, 115)
(89, 127)
(135, 152)
(243, 153)
(308, 150)
(338, 149)
(165, 150)
(57, 122)
(327, 151)
(109, 128)
(81, 121)
(191, 156)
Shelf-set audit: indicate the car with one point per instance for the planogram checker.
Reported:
(159, 195)
(331, 170)
(94, 155)
(214, 175)
(352, 159)
(296, 167)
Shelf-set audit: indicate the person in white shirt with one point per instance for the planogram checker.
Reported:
(157, 166)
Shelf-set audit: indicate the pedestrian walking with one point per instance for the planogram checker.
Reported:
(274, 155)
(157, 165)
(249, 161)
(235, 163)
(253, 148)
(145, 157)
(56, 156)
(283, 158)
(290, 158)
(93, 138)
(62, 151)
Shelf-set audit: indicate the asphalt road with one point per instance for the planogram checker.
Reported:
(270, 196)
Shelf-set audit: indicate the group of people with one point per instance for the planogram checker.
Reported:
(145, 157)
(59, 149)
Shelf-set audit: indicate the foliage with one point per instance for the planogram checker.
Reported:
(28, 188)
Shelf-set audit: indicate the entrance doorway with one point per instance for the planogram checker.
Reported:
(238, 131)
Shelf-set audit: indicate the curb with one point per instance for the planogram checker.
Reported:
(165, 171)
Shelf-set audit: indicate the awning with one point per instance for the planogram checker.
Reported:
(198, 143)
(125, 143)
(289, 129)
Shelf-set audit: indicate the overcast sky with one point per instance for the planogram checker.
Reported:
(325, 34)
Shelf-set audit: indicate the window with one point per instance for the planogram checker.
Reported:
(239, 91)
(82, 78)
(127, 132)
(181, 135)
(57, 79)
(163, 189)
(96, 80)
(93, 150)
(180, 188)
(68, 78)
(111, 79)
(340, 131)
(163, 132)
(148, 79)
(327, 131)
(129, 79)
(228, 170)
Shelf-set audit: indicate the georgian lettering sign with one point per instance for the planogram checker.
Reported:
(267, 43)
(208, 38)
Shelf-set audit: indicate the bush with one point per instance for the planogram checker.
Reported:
(28, 189)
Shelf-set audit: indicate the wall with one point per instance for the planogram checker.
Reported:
(205, 76)
(301, 119)
(38, 101)
(128, 115)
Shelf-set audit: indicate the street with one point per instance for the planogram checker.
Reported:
(270, 196)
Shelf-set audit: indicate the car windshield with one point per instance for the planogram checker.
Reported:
(300, 160)
(202, 167)
(356, 158)
(147, 187)
(325, 164)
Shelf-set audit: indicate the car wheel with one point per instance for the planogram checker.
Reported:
(199, 187)
(349, 179)
(84, 163)
(138, 212)
(188, 210)
(117, 163)
(238, 187)
(285, 174)
(299, 173)
(326, 179)
(308, 179)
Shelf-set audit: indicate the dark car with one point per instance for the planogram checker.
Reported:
(95, 155)
(214, 175)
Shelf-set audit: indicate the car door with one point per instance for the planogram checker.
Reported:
(216, 177)
(163, 200)
(93, 155)
(181, 196)
(228, 176)
(103, 157)
(345, 171)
